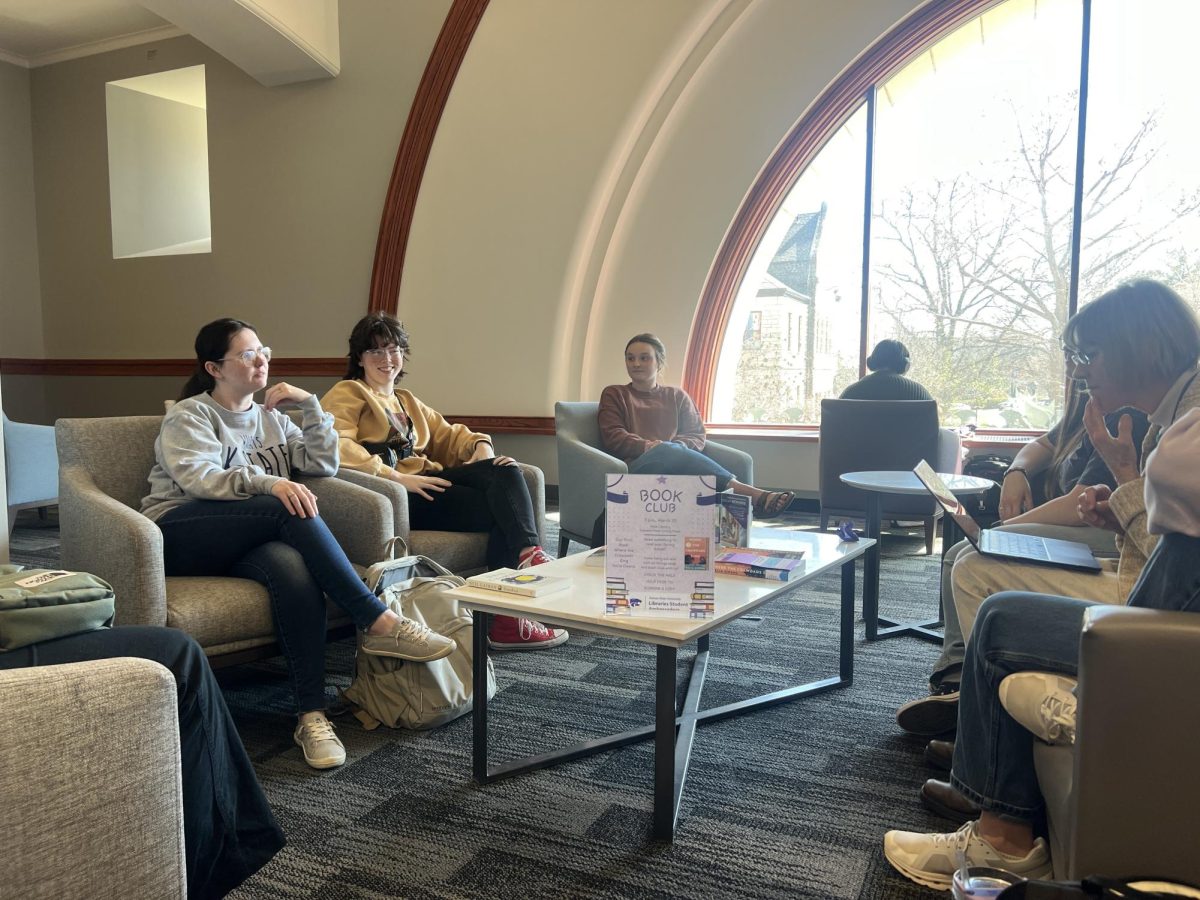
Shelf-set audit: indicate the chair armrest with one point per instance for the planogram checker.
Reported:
(91, 801)
(32, 462)
(395, 494)
(1138, 727)
(581, 476)
(103, 536)
(535, 481)
(361, 519)
(739, 462)
(949, 451)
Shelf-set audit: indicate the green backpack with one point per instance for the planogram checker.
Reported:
(43, 604)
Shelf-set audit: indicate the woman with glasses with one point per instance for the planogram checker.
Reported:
(222, 492)
(1135, 346)
(454, 479)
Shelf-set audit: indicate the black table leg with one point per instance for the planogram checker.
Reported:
(871, 568)
(665, 805)
(479, 686)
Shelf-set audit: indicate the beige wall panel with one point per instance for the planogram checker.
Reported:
(298, 176)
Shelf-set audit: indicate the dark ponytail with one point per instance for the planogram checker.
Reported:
(212, 343)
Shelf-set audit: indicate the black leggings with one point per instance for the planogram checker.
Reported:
(228, 829)
(482, 496)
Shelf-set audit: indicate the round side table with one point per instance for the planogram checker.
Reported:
(875, 485)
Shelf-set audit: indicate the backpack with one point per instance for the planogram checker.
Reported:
(414, 695)
(985, 509)
(43, 604)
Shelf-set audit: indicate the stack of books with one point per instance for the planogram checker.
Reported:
(777, 565)
(523, 582)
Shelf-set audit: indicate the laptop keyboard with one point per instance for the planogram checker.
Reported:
(1013, 544)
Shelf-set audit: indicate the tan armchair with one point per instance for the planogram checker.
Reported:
(1123, 800)
(103, 469)
(464, 553)
(91, 802)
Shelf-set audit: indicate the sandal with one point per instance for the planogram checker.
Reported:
(770, 504)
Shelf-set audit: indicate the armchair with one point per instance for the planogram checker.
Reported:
(462, 552)
(104, 464)
(75, 823)
(31, 465)
(882, 435)
(1122, 800)
(582, 465)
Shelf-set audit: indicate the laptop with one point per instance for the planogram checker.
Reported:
(1025, 548)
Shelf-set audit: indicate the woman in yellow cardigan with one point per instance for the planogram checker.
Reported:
(454, 479)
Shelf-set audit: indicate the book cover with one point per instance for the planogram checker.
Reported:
(525, 582)
(746, 571)
(775, 564)
(733, 519)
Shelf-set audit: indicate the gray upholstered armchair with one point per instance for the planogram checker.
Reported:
(31, 467)
(91, 802)
(464, 553)
(1123, 800)
(104, 464)
(883, 435)
(582, 465)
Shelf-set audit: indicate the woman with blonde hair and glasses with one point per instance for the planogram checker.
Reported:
(454, 479)
(223, 494)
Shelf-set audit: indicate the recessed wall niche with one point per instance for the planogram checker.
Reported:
(158, 164)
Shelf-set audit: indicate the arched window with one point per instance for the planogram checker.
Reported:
(1021, 164)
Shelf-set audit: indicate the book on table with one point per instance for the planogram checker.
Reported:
(777, 565)
(519, 581)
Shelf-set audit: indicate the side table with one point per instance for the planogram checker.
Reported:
(875, 484)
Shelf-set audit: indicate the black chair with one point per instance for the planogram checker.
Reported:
(883, 435)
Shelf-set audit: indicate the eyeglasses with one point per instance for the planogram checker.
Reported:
(381, 352)
(248, 357)
(1077, 357)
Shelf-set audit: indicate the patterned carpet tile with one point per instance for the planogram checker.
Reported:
(786, 802)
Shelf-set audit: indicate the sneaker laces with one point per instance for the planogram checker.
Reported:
(531, 630)
(318, 730)
(413, 630)
(1058, 712)
(957, 840)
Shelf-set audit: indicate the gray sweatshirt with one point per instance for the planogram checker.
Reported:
(207, 452)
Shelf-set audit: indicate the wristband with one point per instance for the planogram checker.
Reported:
(1020, 469)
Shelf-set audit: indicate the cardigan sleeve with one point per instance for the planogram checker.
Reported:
(347, 404)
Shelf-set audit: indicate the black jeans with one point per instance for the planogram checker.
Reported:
(297, 560)
(229, 831)
(482, 496)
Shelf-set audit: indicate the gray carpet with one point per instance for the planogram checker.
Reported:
(786, 802)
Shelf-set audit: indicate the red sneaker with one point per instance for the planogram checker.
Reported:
(509, 633)
(533, 557)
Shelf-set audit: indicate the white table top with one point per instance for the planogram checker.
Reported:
(904, 482)
(582, 605)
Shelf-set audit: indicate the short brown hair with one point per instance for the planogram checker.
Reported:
(1144, 329)
(374, 330)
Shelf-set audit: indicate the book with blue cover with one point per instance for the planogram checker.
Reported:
(776, 565)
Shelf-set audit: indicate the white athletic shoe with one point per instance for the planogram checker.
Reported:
(1042, 702)
(930, 859)
(322, 748)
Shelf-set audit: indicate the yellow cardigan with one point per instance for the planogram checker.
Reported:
(360, 414)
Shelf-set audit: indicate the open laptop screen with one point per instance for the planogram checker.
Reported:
(951, 504)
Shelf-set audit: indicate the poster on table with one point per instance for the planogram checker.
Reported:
(661, 532)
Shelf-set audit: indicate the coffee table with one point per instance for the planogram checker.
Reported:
(875, 484)
(582, 607)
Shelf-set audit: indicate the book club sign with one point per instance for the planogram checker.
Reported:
(660, 534)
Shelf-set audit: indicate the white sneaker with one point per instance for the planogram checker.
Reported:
(322, 748)
(408, 640)
(930, 859)
(1042, 702)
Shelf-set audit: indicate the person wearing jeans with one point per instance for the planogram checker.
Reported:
(454, 479)
(1034, 633)
(221, 492)
(229, 832)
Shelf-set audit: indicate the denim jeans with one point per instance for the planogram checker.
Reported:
(1018, 632)
(228, 829)
(297, 560)
(676, 459)
(482, 496)
(947, 670)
